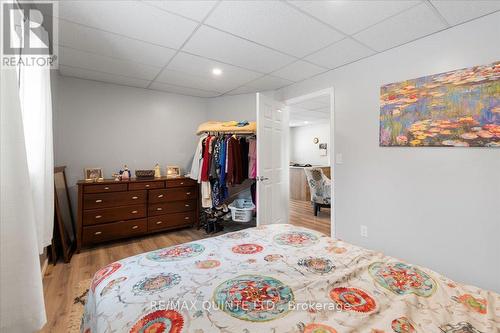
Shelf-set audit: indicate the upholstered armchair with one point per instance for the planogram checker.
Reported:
(320, 187)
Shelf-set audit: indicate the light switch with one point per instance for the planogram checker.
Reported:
(338, 158)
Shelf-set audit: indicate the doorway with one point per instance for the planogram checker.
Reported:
(310, 158)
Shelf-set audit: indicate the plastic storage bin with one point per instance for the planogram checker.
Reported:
(242, 210)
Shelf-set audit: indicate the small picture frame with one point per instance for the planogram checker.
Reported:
(173, 171)
(93, 174)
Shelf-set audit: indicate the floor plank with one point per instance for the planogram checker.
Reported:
(302, 214)
(61, 281)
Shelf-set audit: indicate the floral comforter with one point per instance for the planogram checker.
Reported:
(281, 278)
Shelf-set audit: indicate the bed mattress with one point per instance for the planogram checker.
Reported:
(281, 278)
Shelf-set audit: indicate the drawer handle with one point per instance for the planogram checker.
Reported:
(159, 222)
(106, 188)
(134, 212)
(98, 200)
(147, 185)
(182, 183)
(98, 216)
(188, 193)
(186, 218)
(97, 233)
(186, 205)
(160, 196)
(159, 208)
(135, 227)
(135, 198)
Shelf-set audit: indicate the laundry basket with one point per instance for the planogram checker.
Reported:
(242, 210)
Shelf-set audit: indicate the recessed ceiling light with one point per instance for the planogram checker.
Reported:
(306, 122)
(216, 71)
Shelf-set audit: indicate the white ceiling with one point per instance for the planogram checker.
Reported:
(259, 45)
(312, 111)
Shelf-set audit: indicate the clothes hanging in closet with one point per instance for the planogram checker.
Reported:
(252, 158)
(220, 161)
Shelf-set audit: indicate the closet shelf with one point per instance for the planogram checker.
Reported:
(222, 127)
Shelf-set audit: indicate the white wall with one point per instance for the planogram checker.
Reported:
(302, 148)
(436, 207)
(237, 107)
(106, 125)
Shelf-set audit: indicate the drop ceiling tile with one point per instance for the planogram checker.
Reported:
(340, 53)
(75, 58)
(108, 44)
(298, 71)
(414, 23)
(188, 80)
(195, 66)
(100, 76)
(268, 82)
(196, 10)
(274, 24)
(212, 43)
(352, 16)
(182, 90)
(456, 12)
(130, 18)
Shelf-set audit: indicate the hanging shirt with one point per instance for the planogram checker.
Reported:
(238, 163)
(197, 160)
(206, 160)
(244, 158)
(252, 158)
(222, 169)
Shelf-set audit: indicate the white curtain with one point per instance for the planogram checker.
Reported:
(22, 306)
(36, 106)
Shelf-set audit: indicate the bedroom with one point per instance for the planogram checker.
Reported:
(133, 86)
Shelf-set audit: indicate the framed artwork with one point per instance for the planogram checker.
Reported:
(93, 174)
(460, 108)
(173, 171)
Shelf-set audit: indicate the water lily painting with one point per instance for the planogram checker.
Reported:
(458, 109)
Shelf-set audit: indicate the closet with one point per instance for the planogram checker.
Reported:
(224, 163)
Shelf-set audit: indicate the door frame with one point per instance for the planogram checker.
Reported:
(289, 103)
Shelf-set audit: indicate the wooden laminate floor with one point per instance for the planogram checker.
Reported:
(302, 214)
(61, 281)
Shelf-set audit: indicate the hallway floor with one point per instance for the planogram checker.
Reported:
(302, 214)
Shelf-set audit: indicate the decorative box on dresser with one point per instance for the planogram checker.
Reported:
(109, 209)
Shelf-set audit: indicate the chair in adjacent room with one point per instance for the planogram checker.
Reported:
(320, 187)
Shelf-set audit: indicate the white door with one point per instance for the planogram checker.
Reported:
(272, 165)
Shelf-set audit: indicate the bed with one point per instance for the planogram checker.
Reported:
(280, 278)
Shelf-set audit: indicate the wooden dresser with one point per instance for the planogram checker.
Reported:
(109, 209)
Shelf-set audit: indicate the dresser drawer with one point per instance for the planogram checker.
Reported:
(109, 231)
(181, 182)
(102, 200)
(146, 185)
(105, 188)
(171, 207)
(97, 216)
(170, 221)
(173, 194)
